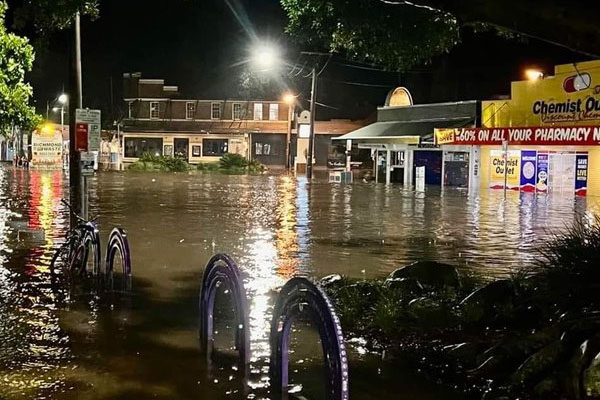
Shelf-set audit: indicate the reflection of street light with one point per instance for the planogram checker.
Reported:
(534, 74)
(290, 99)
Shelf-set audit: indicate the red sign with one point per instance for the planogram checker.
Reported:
(543, 136)
(81, 136)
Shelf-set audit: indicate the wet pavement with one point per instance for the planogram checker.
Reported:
(61, 341)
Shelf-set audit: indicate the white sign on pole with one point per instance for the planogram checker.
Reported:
(93, 119)
(420, 179)
(87, 163)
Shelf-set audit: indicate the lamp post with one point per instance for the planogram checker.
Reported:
(267, 58)
(290, 100)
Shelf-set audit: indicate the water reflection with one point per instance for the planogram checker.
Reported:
(274, 226)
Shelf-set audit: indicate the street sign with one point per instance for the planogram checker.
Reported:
(87, 163)
(81, 138)
(92, 121)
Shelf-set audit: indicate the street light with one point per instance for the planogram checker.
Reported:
(63, 98)
(266, 57)
(533, 74)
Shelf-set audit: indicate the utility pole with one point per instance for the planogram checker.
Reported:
(311, 138)
(76, 94)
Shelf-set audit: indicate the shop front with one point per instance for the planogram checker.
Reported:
(402, 140)
(534, 159)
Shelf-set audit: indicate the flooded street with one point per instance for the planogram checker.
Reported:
(74, 342)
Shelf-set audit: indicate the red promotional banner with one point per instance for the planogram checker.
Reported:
(544, 136)
(81, 132)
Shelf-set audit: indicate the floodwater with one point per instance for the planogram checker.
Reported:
(73, 341)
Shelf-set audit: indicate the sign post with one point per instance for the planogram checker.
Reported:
(87, 125)
(505, 157)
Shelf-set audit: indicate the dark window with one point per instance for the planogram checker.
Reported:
(135, 147)
(215, 147)
(196, 151)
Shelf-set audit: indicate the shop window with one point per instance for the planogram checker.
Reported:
(215, 147)
(136, 147)
(196, 151)
(273, 112)
(262, 149)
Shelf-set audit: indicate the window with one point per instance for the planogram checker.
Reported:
(196, 151)
(130, 109)
(273, 112)
(135, 147)
(215, 111)
(190, 110)
(214, 147)
(258, 111)
(262, 149)
(154, 110)
(237, 111)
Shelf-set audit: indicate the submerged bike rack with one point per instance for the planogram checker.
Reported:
(299, 297)
(222, 270)
(302, 298)
(118, 244)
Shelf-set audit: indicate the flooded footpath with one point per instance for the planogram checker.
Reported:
(77, 342)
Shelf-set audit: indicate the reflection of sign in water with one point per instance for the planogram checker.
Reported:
(581, 174)
(528, 169)
(513, 169)
(46, 149)
(542, 173)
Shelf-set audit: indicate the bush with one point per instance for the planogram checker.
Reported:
(149, 162)
(233, 161)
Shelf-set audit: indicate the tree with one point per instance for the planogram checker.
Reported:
(397, 36)
(48, 15)
(16, 58)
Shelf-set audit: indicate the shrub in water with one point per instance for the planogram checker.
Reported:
(233, 161)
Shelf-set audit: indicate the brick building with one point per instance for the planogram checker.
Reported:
(160, 121)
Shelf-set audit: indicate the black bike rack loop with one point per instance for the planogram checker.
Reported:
(91, 237)
(221, 269)
(118, 243)
(301, 297)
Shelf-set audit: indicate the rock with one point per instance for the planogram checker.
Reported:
(430, 273)
(429, 313)
(409, 287)
(330, 280)
(489, 302)
(538, 364)
(591, 379)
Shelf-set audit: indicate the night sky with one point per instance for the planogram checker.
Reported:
(198, 44)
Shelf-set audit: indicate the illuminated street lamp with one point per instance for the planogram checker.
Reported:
(266, 57)
(534, 74)
(62, 99)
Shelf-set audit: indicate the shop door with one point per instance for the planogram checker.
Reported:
(561, 173)
(381, 165)
(432, 161)
(456, 169)
(181, 148)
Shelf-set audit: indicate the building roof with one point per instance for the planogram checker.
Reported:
(413, 123)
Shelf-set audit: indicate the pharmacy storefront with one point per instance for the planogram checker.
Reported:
(533, 159)
(547, 134)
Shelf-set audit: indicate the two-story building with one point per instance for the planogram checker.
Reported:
(160, 121)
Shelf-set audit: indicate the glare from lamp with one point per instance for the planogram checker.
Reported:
(534, 74)
(63, 98)
(266, 57)
(289, 98)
